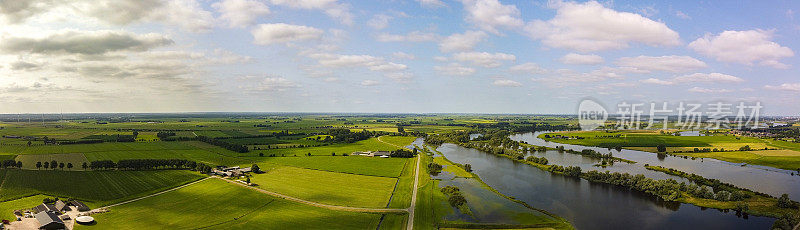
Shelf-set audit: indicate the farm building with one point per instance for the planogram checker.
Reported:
(230, 171)
(61, 206)
(381, 154)
(45, 208)
(79, 205)
(49, 220)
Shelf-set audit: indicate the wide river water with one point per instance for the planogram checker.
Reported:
(598, 206)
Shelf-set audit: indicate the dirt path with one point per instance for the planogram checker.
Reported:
(327, 206)
(410, 225)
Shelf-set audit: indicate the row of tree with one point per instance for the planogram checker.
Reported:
(11, 164)
(55, 164)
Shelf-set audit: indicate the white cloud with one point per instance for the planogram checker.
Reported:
(785, 86)
(188, 14)
(388, 67)
(589, 26)
(491, 15)
(657, 81)
(506, 83)
(240, 13)
(707, 90)
(332, 8)
(369, 83)
(528, 68)
(275, 84)
(673, 63)
(266, 34)
(455, 69)
(682, 15)
(431, 3)
(743, 47)
(462, 42)
(379, 21)
(403, 55)
(708, 77)
(484, 59)
(581, 59)
(414, 36)
(83, 42)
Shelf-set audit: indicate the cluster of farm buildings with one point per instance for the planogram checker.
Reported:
(383, 154)
(53, 216)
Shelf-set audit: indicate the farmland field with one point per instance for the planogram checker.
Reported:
(371, 166)
(29, 160)
(327, 187)
(371, 144)
(95, 187)
(219, 205)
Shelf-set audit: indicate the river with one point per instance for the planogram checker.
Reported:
(592, 205)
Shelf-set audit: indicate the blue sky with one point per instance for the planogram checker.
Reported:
(474, 56)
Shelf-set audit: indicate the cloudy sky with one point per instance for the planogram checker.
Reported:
(475, 56)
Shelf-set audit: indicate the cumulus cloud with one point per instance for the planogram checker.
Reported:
(240, 13)
(431, 3)
(414, 36)
(488, 60)
(455, 69)
(187, 14)
(708, 90)
(369, 83)
(379, 21)
(785, 86)
(657, 81)
(708, 77)
(528, 68)
(506, 83)
(391, 70)
(332, 8)
(743, 47)
(403, 55)
(462, 42)
(672, 63)
(83, 42)
(24, 65)
(588, 27)
(581, 59)
(275, 84)
(266, 34)
(491, 15)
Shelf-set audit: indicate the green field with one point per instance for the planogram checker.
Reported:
(7, 208)
(787, 157)
(214, 204)
(327, 187)
(371, 144)
(29, 160)
(96, 187)
(372, 166)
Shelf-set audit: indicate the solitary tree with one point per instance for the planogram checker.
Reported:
(69, 166)
(29, 143)
(84, 166)
(53, 164)
(46, 165)
(38, 164)
(61, 165)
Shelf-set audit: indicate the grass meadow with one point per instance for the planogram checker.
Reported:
(214, 204)
(327, 187)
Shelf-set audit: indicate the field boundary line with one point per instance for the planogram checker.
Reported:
(156, 194)
(312, 203)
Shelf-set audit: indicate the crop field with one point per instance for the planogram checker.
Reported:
(215, 204)
(29, 160)
(7, 208)
(398, 140)
(371, 144)
(88, 148)
(327, 187)
(95, 187)
(403, 190)
(371, 166)
(147, 137)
